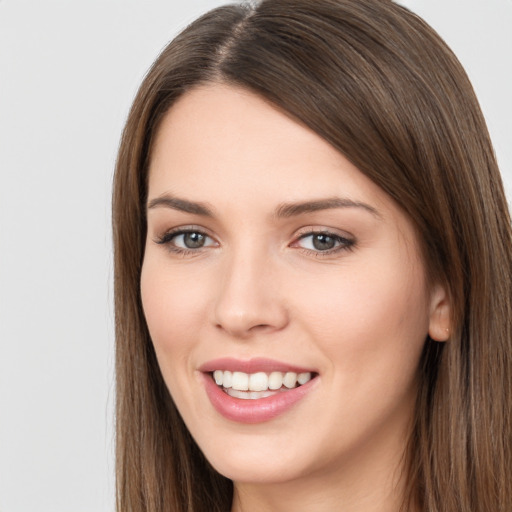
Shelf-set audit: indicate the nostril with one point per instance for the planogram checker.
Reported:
(245, 331)
(261, 327)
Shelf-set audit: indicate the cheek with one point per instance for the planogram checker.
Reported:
(371, 327)
(366, 315)
(173, 305)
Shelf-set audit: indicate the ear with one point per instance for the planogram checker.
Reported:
(439, 327)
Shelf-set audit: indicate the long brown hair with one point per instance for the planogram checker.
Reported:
(377, 83)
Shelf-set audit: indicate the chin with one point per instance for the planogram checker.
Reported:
(260, 460)
(256, 471)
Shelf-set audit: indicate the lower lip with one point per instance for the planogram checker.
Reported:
(253, 411)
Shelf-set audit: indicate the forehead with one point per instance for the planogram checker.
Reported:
(221, 135)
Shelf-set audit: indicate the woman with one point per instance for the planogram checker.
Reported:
(312, 271)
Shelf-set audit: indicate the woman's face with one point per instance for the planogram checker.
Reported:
(272, 263)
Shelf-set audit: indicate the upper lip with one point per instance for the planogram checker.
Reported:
(254, 365)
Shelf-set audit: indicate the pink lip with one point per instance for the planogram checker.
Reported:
(252, 411)
(258, 364)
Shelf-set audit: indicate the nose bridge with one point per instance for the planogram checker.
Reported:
(248, 298)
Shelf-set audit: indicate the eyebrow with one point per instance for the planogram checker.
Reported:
(181, 205)
(284, 210)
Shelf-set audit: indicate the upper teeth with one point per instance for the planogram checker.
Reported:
(259, 381)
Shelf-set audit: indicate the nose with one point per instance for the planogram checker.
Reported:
(248, 298)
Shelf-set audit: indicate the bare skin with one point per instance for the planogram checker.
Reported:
(264, 241)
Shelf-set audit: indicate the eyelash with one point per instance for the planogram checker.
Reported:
(343, 243)
(168, 237)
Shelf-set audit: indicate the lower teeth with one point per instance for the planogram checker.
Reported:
(252, 395)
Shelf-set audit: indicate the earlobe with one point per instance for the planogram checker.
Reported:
(439, 328)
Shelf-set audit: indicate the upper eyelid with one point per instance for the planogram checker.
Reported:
(306, 230)
(186, 229)
(312, 230)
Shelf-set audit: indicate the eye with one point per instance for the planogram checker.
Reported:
(186, 240)
(190, 240)
(323, 242)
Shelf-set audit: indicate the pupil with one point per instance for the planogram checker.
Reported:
(193, 240)
(323, 242)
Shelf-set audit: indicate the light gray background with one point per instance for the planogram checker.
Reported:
(68, 72)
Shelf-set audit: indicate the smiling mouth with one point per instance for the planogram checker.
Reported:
(252, 386)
